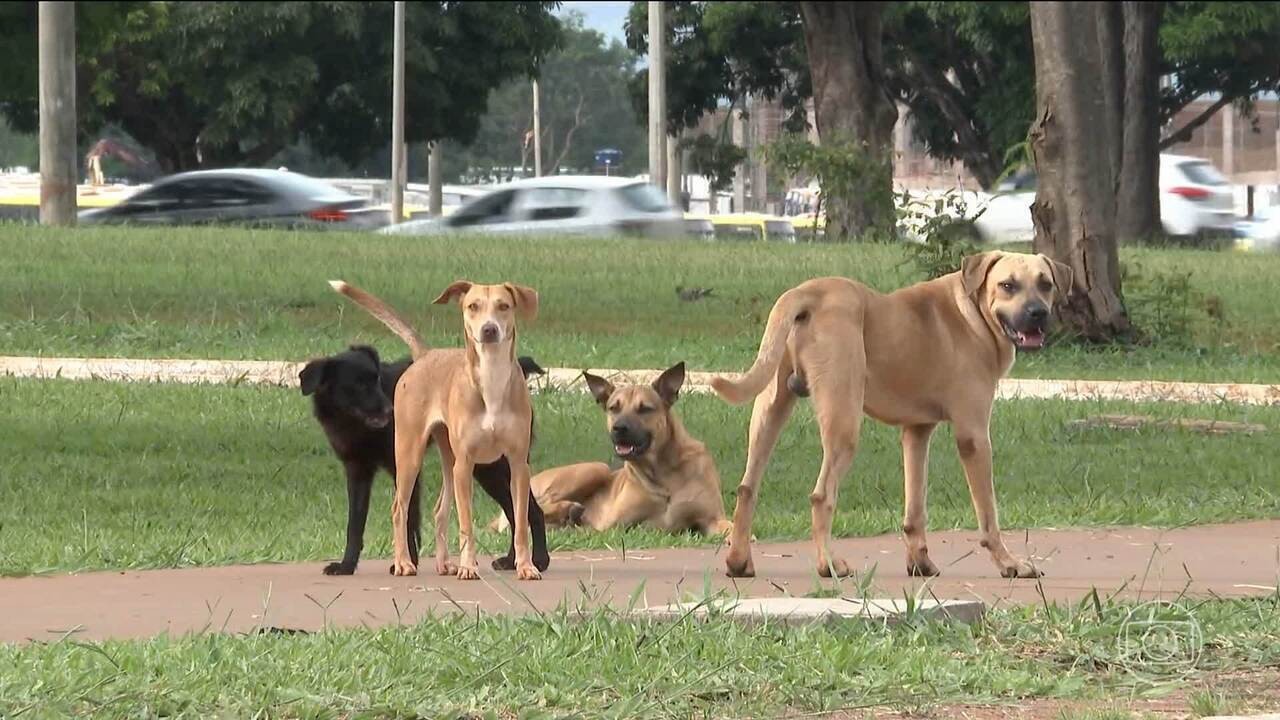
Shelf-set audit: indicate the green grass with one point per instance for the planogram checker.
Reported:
(593, 663)
(258, 294)
(127, 475)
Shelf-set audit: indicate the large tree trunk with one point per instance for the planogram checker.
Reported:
(1076, 143)
(853, 106)
(1138, 199)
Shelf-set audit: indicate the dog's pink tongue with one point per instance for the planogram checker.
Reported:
(623, 449)
(1035, 338)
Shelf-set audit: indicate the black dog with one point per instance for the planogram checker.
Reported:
(352, 394)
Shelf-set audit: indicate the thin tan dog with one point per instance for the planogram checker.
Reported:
(668, 479)
(930, 353)
(474, 404)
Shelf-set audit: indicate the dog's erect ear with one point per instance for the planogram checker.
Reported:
(312, 375)
(1063, 277)
(528, 366)
(456, 290)
(600, 388)
(526, 299)
(373, 354)
(974, 269)
(669, 383)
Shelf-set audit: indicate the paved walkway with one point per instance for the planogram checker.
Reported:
(1224, 560)
(271, 372)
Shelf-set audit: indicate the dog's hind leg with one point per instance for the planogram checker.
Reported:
(772, 408)
(495, 478)
(410, 447)
(415, 521)
(915, 517)
(444, 505)
(839, 385)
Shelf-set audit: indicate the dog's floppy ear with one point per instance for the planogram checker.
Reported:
(312, 375)
(1063, 277)
(526, 299)
(456, 290)
(373, 354)
(600, 388)
(669, 383)
(974, 269)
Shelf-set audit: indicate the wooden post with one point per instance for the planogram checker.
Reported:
(58, 167)
(435, 201)
(397, 118)
(673, 170)
(657, 94)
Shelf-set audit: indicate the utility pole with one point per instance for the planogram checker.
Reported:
(657, 93)
(674, 170)
(435, 201)
(58, 167)
(537, 132)
(397, 118)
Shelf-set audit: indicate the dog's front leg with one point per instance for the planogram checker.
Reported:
(468, 567)
(915, 517)
(974, 446)
(444, 505)
(520, 478)
(359, 486)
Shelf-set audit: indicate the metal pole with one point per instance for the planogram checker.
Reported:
(537, 132)
(397, 119)
(673, 170)
(657, 94)
(58, 167)
(435, 202)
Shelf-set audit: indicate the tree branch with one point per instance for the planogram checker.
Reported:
(568, 137)
(1184, 133)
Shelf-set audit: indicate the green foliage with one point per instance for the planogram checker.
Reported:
(945, 226)
(18, 149)
(1167, 305)
(847, 172)
(584, 107)
(714, 158)
(235, 83)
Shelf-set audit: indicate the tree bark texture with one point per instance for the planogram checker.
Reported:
(1077, 145)
(852, 103)
(1138, 198)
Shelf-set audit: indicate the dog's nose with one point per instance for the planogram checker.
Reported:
(621, 430)
(489, 332)
(1037, 313)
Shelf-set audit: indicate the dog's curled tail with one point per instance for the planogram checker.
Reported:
(384, 313)
(792, 307)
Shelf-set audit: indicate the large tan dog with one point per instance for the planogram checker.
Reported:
(668, 479)
(930, 353)
(474, 404)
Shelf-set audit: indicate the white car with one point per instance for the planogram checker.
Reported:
(558, 205)
(1261, 233)
(1195, 200)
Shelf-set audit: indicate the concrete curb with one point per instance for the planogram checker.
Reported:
(272, 372)
(803, 611)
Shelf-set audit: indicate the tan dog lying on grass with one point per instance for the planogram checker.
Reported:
(930, 353)
(474, 404)
(668, 479)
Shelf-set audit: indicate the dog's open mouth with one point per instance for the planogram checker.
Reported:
(1029, 339)
(626, 452)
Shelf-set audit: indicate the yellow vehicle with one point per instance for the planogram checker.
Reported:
(749, 226)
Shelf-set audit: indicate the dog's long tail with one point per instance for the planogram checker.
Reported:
(384, 312)
(792, 307)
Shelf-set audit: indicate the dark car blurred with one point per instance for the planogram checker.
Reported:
(272, 198)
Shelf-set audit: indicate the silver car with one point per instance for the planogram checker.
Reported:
(559, 205)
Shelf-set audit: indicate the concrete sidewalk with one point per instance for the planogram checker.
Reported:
(271, 372)
(1137, 563)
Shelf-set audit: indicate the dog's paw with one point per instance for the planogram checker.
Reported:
(542, 562)
(338, 568)
(403, 568)
(739, 565)
(1021, 569)
(835, 567)
(468, 572)
(444, 567)
(505, 563)
(922, 568)
(528, 572)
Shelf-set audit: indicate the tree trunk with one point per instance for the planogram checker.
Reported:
(1138, 198)
(1076, 147)
(852, 104)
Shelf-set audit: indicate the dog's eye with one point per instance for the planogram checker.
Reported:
(615, 408)
(1008, 286)
(503, 307)
(644, 409)
(473, 307)
(1046, 286)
